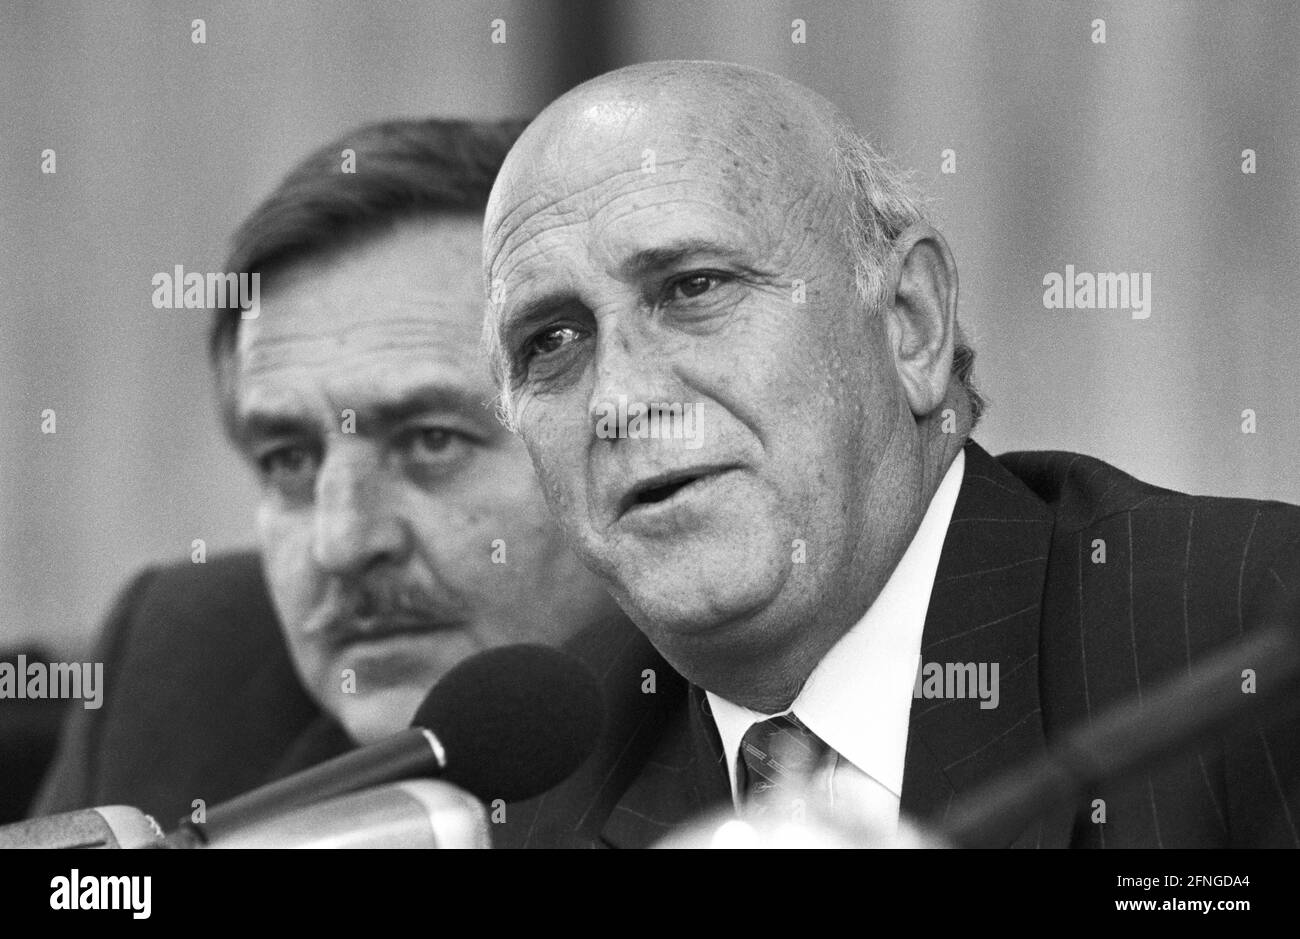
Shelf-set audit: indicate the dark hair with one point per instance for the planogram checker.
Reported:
(403, 169)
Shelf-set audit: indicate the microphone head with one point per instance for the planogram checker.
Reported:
(514, 721)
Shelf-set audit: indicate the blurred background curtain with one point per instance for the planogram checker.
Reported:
(1122, 156)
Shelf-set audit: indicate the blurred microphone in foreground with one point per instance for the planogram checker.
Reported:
(108, 826)
(421, 813)
(508, 724)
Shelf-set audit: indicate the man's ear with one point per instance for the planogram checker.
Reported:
(921, 316)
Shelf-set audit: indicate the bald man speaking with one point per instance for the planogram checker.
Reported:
(727, 334)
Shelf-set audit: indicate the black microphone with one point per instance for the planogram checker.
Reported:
(508, 723)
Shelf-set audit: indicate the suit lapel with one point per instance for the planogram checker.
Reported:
(985, 607)
(683, 777)
(643, 696)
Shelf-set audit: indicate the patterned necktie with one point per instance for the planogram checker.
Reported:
(778, 758)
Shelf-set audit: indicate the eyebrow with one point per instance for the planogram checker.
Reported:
(637, 265)
(262, 424)
(672, 254)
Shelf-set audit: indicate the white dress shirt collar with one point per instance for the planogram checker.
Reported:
(859, 697)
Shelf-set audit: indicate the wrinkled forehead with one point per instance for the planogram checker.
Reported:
(402, 301)
(306, 356)
(606, 171)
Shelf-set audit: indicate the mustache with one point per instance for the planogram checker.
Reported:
(374, 606)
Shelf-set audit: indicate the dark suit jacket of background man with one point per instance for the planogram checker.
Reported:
(201, 700)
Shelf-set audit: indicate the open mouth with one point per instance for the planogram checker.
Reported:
(662, 492)
(663, 487)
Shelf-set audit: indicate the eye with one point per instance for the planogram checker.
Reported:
(434, 445)
(429, 440)
(551, 340)
(694, 284)
(289, 468)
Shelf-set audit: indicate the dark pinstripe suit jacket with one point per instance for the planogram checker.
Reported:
(201, 700)
(1017, 585)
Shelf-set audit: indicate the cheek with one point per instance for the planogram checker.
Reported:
(285, 543)
(536, 553)
(557, 450)
(496, 511)
(295, 585)
(539, 591)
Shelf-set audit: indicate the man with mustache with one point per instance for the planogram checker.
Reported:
(401, 528)
(693, 233)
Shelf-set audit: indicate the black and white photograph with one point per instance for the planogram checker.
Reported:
(738, 425)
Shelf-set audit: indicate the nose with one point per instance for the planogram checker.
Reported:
(358, 521)
(626, 366)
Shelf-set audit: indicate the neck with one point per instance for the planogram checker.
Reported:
(767, 683)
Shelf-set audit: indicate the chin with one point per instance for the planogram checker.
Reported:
(371, 717)
(690, 596)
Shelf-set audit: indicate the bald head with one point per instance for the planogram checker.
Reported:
(783, 141)
(769, 125)
(772, 143)
(713, 241)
